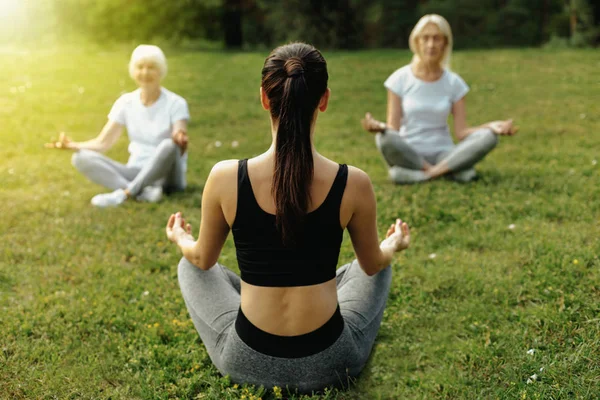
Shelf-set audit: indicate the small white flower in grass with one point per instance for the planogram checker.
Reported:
(218, 143)
(146, 293)
(235, 144)
(582, 115)
(81, 90)
(532, 379)
(511, 226)
(13, 89)
(432, 256)
(530, 351)
(594, 162)
(542, 369)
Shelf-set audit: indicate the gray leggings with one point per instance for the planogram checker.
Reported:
(164, 169)
(213, 300)
(460, 159)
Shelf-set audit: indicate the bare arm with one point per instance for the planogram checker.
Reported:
(394, 111)
(371, 255)
(214, 229)
(105, 140)
(462, 130)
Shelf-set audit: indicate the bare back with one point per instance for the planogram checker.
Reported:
(288, 311)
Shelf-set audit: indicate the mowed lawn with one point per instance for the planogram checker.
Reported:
(501, 282)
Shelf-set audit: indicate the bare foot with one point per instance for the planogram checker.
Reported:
(370, 124)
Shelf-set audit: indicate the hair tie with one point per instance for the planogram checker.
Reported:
(298, 72)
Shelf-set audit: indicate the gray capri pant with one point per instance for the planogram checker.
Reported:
(460, 158)
(163, 169)
(213, 300)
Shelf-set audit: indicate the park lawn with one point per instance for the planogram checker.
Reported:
(90, 301)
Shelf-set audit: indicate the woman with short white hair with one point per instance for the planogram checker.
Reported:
(415, 141)
(156, 121)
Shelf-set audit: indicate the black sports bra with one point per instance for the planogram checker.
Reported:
(264, 260)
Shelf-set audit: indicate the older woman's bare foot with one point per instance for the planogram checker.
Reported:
(370, 124)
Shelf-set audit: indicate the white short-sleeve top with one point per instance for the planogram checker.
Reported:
(425, 108)
(147, 126)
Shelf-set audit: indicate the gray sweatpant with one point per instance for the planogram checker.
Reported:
(213, 299)
(460, 158)
(164, 169)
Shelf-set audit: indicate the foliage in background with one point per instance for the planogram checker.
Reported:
(343, 24)
(139, 20)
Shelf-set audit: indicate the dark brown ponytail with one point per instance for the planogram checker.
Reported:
(294, 79)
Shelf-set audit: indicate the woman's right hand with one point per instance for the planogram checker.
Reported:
(63, 142)
(503, 127)
(370, 124)
(397, 237)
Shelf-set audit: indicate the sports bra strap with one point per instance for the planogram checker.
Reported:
(332, 201)
(336, 192)
(339, 185)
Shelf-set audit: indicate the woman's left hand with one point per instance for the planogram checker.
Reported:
(178, 231)
(181, 139)
(503, 127)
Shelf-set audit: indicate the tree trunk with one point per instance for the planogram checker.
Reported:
(573, 18)
(232, 23)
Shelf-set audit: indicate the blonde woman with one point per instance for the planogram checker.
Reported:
(156, 121)
(415, 141)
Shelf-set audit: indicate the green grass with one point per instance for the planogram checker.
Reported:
(75, 322)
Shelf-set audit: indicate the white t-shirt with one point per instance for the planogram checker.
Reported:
(147, 126)
(425, 108)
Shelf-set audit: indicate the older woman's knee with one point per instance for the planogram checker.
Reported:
(168, 145)
(487, 137)
(80, 159)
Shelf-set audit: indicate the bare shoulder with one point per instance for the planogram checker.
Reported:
(358, 196)
(223, 177)
(224, 168)
(358, 179)
(358, 187)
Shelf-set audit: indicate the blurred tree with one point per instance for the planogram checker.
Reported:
(585, 29)
(346, 24)
(139, 20)
(324, 23)
(496, 22)
(395, 20)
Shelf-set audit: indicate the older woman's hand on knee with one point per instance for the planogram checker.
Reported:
(63, 142)
(181, 139)
(503, 127)
(370, 124)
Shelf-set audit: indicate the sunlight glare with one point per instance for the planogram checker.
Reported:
(9, 8)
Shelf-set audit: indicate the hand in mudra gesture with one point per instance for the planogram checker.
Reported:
(370, 124)
(63, 142)
(397, 236)
(503, 127)
(178, 230)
